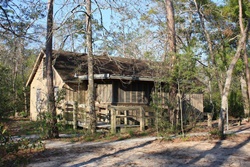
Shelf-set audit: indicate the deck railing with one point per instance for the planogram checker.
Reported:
(118, 116)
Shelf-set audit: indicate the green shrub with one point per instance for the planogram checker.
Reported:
(23, 114)
(9, 147)
(215, 133)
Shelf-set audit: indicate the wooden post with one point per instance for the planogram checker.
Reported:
(126, 118)
(74, 114)
(113, 121)
(142, 119)
(63, 112)
(209, 120)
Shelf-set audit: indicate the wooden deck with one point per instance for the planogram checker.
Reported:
(112, 119)
(107, 126)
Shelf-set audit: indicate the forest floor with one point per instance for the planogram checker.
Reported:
(150, 151)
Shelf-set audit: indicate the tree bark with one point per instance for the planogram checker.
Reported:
(224, 98)
(240, 48)
(91, 96)
(53, 130)
(171, 39)
(15, 69)
(243, 84)
(210, 45)
(171, 34)
(245, 58)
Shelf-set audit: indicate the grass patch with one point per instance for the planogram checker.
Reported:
(14, 152)
(68, 129)
(19, 158)
(86, 136)
(21, 126)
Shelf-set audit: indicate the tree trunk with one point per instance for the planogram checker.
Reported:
(180, 101)
(240, 48)
(14, 74)
(224, 97)
(210, 115)
(247, 76)
(245, 58)
(171, 39)
(210, 46)
(171, 34)
(53, 130)
(21, 53)
(91, 103)
(25, 100)
(243, 84)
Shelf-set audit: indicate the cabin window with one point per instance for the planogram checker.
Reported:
(38, 100)
(136, 92)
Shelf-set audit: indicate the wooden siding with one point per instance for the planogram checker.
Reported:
(104, 93)
(133, 93)
(38, 88)
(76, 92)
(195, 100)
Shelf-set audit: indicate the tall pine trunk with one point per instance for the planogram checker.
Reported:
(243, 84)
(245, 58)
(171, 34)
(247, 98)
(171, 39)
(91, 96)
(52, 121)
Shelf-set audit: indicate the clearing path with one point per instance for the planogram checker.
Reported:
(149, 151)
(146, 152)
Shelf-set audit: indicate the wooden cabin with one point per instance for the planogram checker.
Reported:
(118, 82)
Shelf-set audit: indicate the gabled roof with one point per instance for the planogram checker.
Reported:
(69, 64)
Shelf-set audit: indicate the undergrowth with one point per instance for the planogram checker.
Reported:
(14, 151)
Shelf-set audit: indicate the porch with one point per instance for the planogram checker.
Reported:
(109, 117)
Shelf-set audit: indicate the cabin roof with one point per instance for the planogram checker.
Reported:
(70, 64)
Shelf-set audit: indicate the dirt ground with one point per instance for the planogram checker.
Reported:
(149, 151)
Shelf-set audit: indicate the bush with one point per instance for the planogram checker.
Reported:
(23, 114)
(10, 147)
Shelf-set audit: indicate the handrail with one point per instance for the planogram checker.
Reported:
(113, 110)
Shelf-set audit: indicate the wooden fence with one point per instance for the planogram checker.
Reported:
(124, 113)
(119, 116)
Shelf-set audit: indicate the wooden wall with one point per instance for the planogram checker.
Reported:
(104, 93)
(132, 93)
(195, 100)
(117, 92)
(76, 92)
